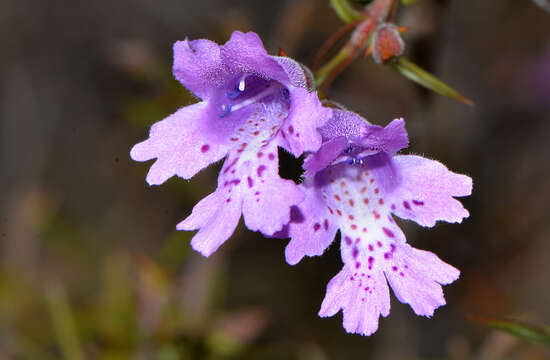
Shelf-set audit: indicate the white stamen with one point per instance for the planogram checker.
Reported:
(242, 84)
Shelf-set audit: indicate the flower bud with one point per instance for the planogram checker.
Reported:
(386, 43)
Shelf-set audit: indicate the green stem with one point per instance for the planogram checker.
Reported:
(415, 73)
(346, 11)
(325, 71)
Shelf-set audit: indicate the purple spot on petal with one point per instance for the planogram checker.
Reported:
(393, 206)
(316, 226)
(402, 275)
(325, 224)
(348, 240)
(260, 154)
(355, 252)
(257, 193)
(260, 170)
(231, 165)
(205, 148)
(371, 260)
(250, 182)
(371, 248)
(228, 200)
(290, 129)
(388, 232)
(406, 205)
(418, 202)
(357, 265)
(271, 157)
(394, 268)
(387, 256)
(379, 244)
(392, 247)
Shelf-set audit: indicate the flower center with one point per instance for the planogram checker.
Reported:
(353, 155)
(249, 89)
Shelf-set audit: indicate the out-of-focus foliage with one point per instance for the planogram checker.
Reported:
(520, 329)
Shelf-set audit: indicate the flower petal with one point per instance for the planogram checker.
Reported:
(362, 308)
(216, 218)
(344, 123)
(426, 190)
(416, 276)
(389, 139)
(245, 52)
(183, 143)
(298, 75)
(267, 198)
(312, 228)
(198, 66)
(374, 248)
(326, 154)
(306, 115)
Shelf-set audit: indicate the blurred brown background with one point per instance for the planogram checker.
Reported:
(92, 266)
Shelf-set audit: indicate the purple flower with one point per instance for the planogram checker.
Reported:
(354, 183)
(251, 104)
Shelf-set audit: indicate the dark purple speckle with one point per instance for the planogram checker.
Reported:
(261, 170)
(388, 232)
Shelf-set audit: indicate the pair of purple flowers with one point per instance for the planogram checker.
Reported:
(254, 103)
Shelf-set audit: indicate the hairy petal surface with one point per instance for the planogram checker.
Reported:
(252, 103)
(248, 183)
(373, 247)
(312, 228)
(421, 189)
(198, 65)
(301, 127)
(361, 308)
(183, 144)
(268, 198)
(216, 220)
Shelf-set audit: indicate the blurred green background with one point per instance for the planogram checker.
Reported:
(92, 267)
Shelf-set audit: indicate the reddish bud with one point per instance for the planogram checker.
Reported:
(386, 43)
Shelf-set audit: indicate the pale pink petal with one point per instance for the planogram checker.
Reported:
(183, 143)
(216, 217)
(426, 191)
(312, 229)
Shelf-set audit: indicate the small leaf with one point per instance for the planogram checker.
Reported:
(346, 11)
(422, 77)
(519, 329)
